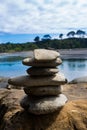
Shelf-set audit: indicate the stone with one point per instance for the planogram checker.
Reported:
(36, 71)
(43, 91)
(3, 82)
(27, 80)
(34, 63)
(79, 80)
(42, 84)
(45, 55)
(43, 105)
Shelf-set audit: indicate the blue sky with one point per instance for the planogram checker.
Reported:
(41, 16)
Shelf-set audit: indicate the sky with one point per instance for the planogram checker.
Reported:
(42, 16)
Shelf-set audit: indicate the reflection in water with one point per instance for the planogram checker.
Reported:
(11, 58)
(6, 64)
(82, 66)
(76, 64)
(74, 68)
(12, 66)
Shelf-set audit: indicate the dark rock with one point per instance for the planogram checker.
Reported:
(41, 91)
(39, 71)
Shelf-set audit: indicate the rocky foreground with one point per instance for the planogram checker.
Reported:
(73, 116)
(49, 104)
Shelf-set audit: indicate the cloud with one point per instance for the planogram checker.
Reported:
(42, 16)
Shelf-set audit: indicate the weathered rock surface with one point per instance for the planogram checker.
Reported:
(42, 91)
(37, 81)
(35, 63)
(73, 116)
(75, 91)
(43, 105)
(35, 71)
(45, 55)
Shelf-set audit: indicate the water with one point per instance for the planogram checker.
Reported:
(74, 68)
(11, 66)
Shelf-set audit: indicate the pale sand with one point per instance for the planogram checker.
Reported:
(73, 53)
(65, 53)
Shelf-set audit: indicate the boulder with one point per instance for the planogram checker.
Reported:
(45, 55)
(3, 82)
(43, 105)
(42, 91)
(79, 80)
(39, 71)
(35, 63)
(27, 80)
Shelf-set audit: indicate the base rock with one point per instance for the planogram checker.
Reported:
(43, 105)
(73, 116)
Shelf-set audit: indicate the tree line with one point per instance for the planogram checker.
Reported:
(71, 34)
(48, 43)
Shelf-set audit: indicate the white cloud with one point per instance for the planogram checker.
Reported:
(42, 16)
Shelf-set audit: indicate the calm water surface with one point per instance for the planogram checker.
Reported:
(11, 66)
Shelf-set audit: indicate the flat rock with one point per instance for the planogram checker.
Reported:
(27, 80)
(43, 105)
(36, 71)
(42, 91)
(35, 63)
(45, 55)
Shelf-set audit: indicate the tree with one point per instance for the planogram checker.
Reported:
(81, 33)
(70, 34)
(46, 37)
(61, 36)
(37, 39)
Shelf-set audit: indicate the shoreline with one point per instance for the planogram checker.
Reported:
(73, 53)
(64, 53)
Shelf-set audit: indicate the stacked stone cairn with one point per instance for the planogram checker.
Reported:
(43, 83)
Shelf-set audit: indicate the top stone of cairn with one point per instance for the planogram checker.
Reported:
(45, 55)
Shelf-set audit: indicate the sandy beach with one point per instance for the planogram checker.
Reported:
(21, 54)
(73, 53)
(65, 53)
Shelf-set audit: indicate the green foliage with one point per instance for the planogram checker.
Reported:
(68, 43)
(70, 34)
(80, 33)
(9, 47)
(37, 39)
(61, 36)
(46, 37)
